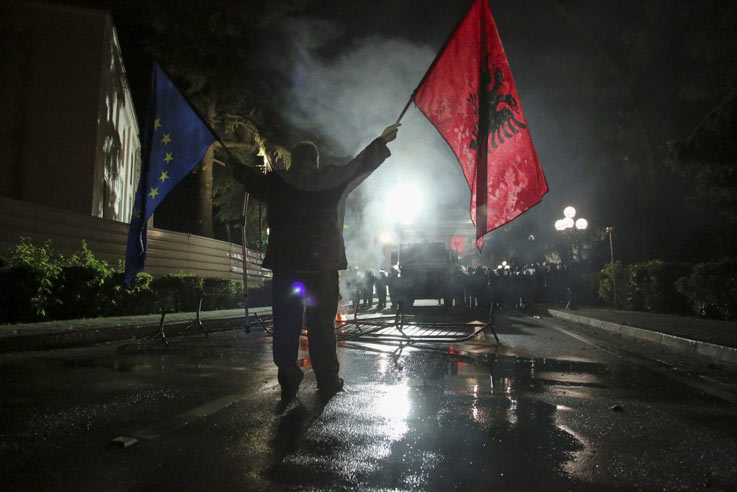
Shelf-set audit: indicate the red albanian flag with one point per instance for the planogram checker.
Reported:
(469, 95)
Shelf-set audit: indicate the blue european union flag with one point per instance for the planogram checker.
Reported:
(177, 139)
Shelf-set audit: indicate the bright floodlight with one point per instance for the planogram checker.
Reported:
(404, 203)
(559, 226)
(568, 222)
(582, 224)
(385, 237)
(569, 212)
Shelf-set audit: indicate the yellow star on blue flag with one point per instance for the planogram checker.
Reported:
(173, 129)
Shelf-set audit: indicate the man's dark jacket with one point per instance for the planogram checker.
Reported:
(306, 210)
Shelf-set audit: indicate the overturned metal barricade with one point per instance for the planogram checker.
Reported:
(406, 329)
(262, 322)
(398, 328)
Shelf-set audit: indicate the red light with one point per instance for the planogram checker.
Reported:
(456, 244)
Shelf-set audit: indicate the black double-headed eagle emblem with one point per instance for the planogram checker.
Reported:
(499, 109)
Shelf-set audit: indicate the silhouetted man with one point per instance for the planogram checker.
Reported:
(381, 281)
(305, 251)
(368, 289)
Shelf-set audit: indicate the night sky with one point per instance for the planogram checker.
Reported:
(604, 85)
(607, 87)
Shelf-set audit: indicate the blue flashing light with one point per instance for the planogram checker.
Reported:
(298, 289)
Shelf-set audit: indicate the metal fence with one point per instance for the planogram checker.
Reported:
(168, 252)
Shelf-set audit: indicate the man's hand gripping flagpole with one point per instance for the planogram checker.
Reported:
(390, 132)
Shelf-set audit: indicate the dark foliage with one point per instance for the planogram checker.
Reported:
(36, 285)
(123, 300)
(651, 287)
(711, 289)
(26, 281)
(20, 299)
(177, 292)
(221, 294)
(78, 291)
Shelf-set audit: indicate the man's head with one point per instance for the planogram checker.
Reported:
(305, 157)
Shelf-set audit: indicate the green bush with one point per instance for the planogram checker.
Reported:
(610, 278)
(647, 286)
(637, 283)
(662, 295)
(652, 287)
(27, 278)
(123, 300)
(177, 292)
(711, 289)
(80, 287)
(221, 294)
(37, 285)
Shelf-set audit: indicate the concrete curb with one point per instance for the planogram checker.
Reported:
(712, 351)
(55, 335)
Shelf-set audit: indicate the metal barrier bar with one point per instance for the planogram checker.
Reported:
(399, 330)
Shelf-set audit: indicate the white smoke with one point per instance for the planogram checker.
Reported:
(352, 97)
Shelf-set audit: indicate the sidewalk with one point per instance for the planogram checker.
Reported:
(77, 332)
(713, 339)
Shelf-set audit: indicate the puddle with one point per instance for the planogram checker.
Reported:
(440, 420)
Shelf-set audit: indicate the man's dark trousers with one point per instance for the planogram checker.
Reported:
(317, 293)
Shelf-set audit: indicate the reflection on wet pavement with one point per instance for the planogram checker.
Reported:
(470, 416)
(437, 420)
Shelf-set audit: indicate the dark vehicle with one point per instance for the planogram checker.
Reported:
(425, 272)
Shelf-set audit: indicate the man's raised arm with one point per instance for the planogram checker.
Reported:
(373, 155)
(369, 159)
(252, 179)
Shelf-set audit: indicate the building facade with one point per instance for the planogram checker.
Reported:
(69, 138)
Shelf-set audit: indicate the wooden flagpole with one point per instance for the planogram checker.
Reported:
(406, 107)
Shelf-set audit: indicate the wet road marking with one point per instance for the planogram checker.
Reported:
(656, 366)
(166, 426)
(172, 424)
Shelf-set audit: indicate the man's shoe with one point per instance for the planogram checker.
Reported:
(328, 390)
(289, 380)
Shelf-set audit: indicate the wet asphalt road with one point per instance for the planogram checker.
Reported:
(551, 409)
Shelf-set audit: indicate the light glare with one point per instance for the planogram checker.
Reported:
(385, 237)
(404, 203)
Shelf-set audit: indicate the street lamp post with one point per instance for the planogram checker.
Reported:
(567, 225)
(610, 230)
